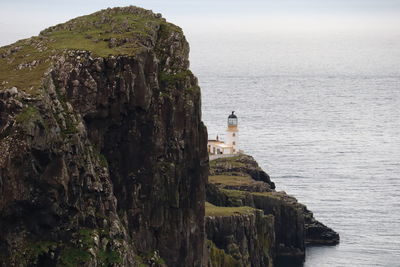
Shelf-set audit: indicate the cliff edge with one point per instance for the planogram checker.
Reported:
(103, 152)
(238, 182)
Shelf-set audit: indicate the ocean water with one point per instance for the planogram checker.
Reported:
(321, 114)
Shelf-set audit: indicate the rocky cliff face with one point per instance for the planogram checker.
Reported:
(232, 185)
(289, 227)
(103, 152)
(247, 235)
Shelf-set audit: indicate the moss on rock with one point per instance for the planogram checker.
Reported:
(212, 210)
(28, 114)
(218, 257)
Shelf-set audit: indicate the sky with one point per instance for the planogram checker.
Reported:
(25, 18)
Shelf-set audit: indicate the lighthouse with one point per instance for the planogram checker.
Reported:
(232, 131)
(229, 148)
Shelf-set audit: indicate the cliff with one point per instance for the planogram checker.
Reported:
(235, 182)
(103, 153)
(244, 233)
(104, 157)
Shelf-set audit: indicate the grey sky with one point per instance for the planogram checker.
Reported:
(24, 18)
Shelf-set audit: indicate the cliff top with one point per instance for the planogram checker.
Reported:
(109, 32)
(240, 172)
(212, 210)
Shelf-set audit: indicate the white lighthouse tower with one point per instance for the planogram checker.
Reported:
(232, 131)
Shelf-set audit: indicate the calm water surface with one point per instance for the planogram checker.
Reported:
(321, 114)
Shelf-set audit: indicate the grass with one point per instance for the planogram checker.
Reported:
(36, 249)
(228, 159)
(275, 195)
(103, 161)
(234, 193)
(94, 32)
(110, 32)
(108, 258)
(149, 259)
(218, 256)
(173, 79)
(233, 161)
(212, 210)
(24, 78)
(74, 257)
(71, 256)
(28, 114)
(230, 180)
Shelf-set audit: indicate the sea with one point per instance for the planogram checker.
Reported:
(320, 112)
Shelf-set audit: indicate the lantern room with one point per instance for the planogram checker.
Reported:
(232, 120)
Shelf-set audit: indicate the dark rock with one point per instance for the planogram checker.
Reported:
(289, 218)
(318, 233)
(248, 238)
(295, 227)
(240, 164)
(256, 186)
(97, 168)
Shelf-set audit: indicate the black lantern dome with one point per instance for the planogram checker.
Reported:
(232, 119)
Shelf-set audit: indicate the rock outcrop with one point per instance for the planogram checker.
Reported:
(103, 152)
(245, 234)
(318, 233)
(294, 225)
(244, 165)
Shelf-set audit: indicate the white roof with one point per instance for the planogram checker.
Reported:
(223, 145)
(215, 141)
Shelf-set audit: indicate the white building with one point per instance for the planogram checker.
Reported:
(230, 147)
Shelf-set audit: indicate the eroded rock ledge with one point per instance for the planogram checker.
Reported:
(235, 182)
(245, 233)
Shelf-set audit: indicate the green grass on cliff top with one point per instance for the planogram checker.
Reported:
(231, 180)
(232, 161)
(212, 210)
(241, 195)
(235, 194)
(117, 31)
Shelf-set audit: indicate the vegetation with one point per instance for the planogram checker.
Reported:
(234, 161)
(230, 180)
(14, 68)
(72, 254)
(275, 195)
(219, 258)
(32, 252)
(70, 126)
(193, 89)
(165, 95)
(110, 32)
(235, 197)
(103, 160)
(234, 193)
(28, 114)
(212, 210)
(149, 259)
(74, 257)
(173, 78)
(108, 258)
